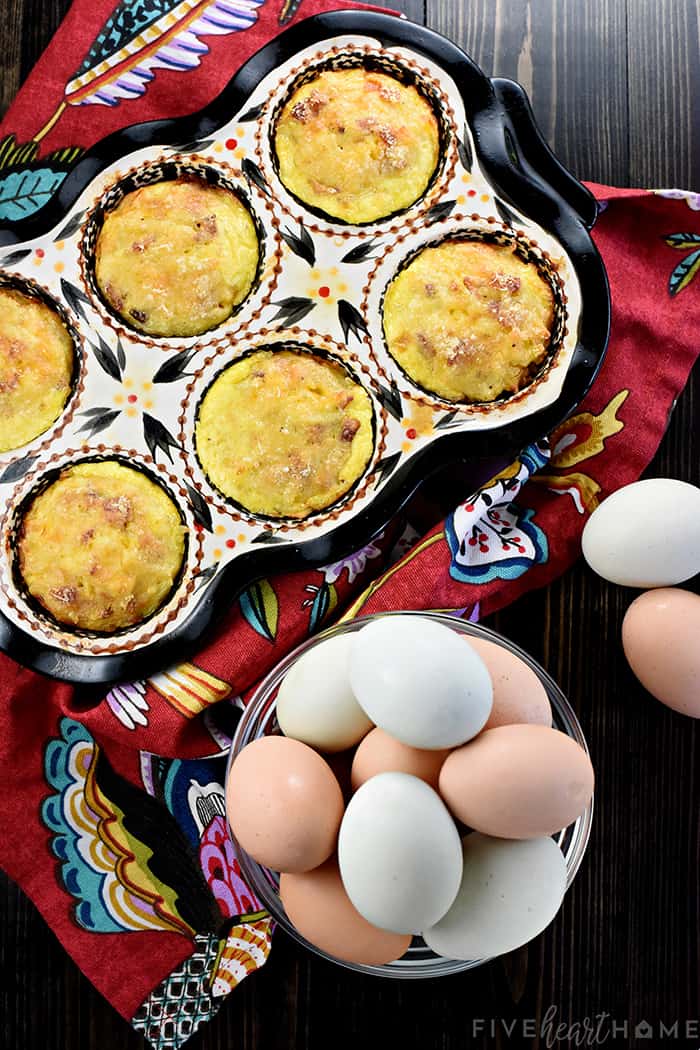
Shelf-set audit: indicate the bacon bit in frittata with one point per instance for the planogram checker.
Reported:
(309, 107)
(350, 428)
(67, 595)
(87, 536)
(206, 228)
(138, 315)
(505, 282)
(113, 296)
(118, 510)
(462, 350)
(387, 91)
(344, 398)
(429, 289)
(425, 344)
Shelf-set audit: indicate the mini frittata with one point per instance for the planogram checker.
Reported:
(357, 144)
(284, 433)
(101, 547)
(36, 367)
(468, 320)
(176, 258)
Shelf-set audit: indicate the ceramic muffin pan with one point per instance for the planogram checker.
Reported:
(319, 289)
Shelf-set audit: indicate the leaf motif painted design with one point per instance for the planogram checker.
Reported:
(360, 253)
(351, 320)
(385, 467)
(15, 257)
(75, 297)
(292, 309)
(260, 606)
(439, 211)
(252, 114)
(200, 507)
(301, 243)
(254, 175)
(206, 574)
(464, 148)
(509, 217)
(101, 418)
(17, 470)
(174, 368)
(447, 420)
(106, 358)
(684, 273)
(157, 436)
(23, 192)
(391, 400)
(71, 227)
(267, 537)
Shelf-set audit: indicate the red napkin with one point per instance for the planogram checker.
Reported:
(123, 843)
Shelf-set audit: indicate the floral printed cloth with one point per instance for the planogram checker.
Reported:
(123, 844)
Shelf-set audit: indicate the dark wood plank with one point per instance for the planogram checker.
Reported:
(664, 83)
(570, 56)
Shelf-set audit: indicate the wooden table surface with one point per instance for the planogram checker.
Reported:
(615, 85)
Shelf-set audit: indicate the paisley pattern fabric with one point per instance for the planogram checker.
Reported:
(124, 846)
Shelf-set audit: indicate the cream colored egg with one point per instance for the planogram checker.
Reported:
(315, 703)
(399, 853)
(518, 694)
(518, 781)
(283, 804)
(510, 891)
(320, 909)
(661, 639)
(646, 534)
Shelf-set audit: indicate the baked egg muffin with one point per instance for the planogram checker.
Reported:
(101, 547)
(357, 144)
(36, 367)
(284, 433)
(176, 258)
(469, 321)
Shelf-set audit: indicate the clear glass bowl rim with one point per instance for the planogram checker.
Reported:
(259, 714)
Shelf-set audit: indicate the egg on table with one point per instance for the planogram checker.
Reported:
(518, 781)
(284, 804)
(510, 891)
(646, 534)
(399, 853)
(661, 639)
(315, 702)
(418, 680)
(319, 908)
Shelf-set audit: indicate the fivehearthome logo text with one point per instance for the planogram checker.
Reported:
(594, 1030)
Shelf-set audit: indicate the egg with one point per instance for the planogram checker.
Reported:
(320, 909)
(283, 804)
(510, 891)
(518, 782)
(315, 703)
(381, 753)
(518, 694)
(399, 853)
(661, 639)
(646, 534)
(417, 680)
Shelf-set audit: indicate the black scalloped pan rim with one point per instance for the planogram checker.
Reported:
(522, 170)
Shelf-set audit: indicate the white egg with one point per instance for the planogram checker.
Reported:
(420, 681)
(399, 853)
(646, 534)
(510, 891)
(315, 703)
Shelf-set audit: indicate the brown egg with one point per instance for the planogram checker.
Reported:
(518, 694)
(661, 639)
(317, 904)
(518, 782)
(381, 753)
(283, 804)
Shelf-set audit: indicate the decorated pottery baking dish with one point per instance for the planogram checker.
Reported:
(237, 349)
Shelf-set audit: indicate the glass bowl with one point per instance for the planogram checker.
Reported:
(259, 719)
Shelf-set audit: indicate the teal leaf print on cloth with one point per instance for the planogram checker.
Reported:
(687, 268)
(24, 192)
(490, 537)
